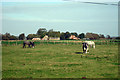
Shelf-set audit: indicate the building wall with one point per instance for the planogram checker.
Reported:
(54, 38)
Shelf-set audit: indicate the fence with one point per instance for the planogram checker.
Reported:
(67, 42)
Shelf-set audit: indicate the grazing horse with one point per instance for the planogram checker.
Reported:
(91, 43)
(29, 43)
(85, 48)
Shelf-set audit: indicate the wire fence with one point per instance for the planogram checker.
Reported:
(67, 42)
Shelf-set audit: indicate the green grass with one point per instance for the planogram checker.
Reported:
(59, 61)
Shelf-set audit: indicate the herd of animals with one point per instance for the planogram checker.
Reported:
(85, 45)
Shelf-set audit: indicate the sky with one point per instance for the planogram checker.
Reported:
(58, 0)
(68, 15)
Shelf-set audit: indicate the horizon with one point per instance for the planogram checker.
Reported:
(62, 32)
(28, 17)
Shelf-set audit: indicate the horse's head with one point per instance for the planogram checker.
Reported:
(85, 44)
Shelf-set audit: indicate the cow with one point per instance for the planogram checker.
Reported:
(91, 43)
(29, 43)
(85, 47)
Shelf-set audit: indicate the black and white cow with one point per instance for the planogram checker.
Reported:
(85, 47)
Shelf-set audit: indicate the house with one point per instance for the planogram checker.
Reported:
(36, 39)
(54, 38)
(45, 38)
(73, 37)
(86, 38)
(50, 38)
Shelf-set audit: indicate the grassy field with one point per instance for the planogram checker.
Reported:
(59, 61)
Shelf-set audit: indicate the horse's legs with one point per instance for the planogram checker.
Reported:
(87, 51)
(84, 50)
(33, 45)
(91, 45)
(29, 45)
(24, 45)
(94, 46)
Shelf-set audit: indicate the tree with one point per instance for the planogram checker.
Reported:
(67, 35)
(108, 37)
(76, 35)
(117, 37)
(96, 36)
(101, 36)
(21, 36)
(6, 36)
(89, 35)
(42, 32)
(56, 34)
(13, 38)
(62, 36)
(51, 30)
(81, 36)
(92, 36)
(50, 33)
(31, 36)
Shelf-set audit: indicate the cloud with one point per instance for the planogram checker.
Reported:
(101, 3)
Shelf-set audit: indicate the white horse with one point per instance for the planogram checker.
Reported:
(91, 43)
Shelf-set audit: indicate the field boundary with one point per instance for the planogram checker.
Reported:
(97, 42)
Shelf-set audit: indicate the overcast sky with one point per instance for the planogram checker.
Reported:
(58, 0)
(73, 16)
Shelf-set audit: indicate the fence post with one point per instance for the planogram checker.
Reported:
(8, 43)
(47, 42)
(54, 42)
(67, 42)
(16, 42)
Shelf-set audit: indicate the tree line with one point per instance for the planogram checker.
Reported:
(51, 33)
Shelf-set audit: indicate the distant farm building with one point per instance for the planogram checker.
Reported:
(102, 38)
(73, 37)
(54, 38)
(86, 38)
(36, 39)
(45, 38)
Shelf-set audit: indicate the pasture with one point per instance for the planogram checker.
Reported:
(59, 61)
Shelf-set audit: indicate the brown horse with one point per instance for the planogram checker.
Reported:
(29, 43)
